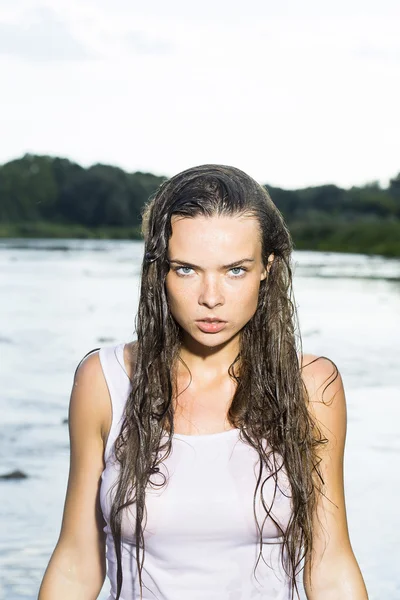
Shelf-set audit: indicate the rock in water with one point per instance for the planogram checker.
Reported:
(14, 475)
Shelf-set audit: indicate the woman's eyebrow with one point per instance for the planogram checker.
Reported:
(230, 266)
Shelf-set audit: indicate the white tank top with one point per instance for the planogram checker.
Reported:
(201, 538)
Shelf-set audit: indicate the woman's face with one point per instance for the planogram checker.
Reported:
(204, 281)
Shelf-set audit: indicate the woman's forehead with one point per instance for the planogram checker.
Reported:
(223, 238)
(221, 225)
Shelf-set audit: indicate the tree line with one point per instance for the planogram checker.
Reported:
(44, 196)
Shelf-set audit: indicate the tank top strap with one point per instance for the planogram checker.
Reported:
(119, 385)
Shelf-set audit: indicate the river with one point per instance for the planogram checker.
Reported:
(59, 299)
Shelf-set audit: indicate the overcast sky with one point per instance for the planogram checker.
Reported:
(294, 92)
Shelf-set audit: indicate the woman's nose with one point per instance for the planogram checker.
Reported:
(211, 292)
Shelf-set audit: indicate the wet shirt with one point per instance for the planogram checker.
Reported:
(200, 533)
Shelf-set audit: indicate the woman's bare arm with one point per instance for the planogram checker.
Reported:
(334, 569)
(76, 569)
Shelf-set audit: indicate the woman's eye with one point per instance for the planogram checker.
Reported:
(235, 276)
(179, 268)
(239, 269)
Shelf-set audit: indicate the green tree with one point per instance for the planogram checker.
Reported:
(28, 189)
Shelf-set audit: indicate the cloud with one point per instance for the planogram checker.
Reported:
(40, 36)
(384, 53)
(144, 44)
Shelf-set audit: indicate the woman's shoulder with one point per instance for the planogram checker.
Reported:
(326, 396)
(317, 370)
(91, 392)
(93, 378)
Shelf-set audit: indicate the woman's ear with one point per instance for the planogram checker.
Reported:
(265, 271)
(270, 261)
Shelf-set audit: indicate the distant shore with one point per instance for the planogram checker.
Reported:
(63, 231)
(52, 197)
(373, 238)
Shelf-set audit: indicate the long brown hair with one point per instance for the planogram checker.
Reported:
(270, 400)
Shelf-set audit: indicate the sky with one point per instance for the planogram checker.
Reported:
(294, 93)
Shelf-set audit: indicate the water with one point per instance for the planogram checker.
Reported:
(62, 298)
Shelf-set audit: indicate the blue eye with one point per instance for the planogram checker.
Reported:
(238, 268)
(177, 269)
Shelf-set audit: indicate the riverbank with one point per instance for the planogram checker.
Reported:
(374, 237)
(43, 229)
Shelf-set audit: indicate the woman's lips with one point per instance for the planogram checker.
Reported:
(209, 327)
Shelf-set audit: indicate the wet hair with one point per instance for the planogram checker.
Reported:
(270, 399)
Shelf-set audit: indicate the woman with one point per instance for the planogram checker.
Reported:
(207, 456)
